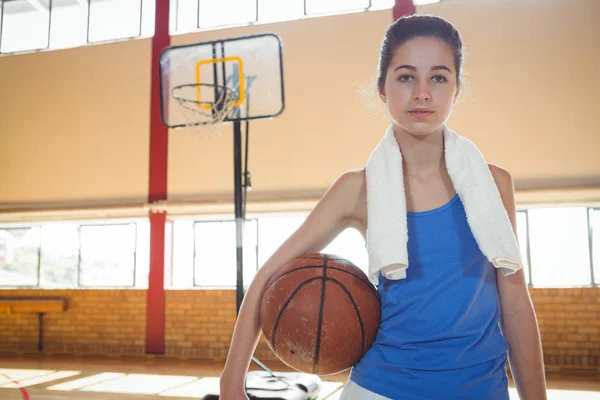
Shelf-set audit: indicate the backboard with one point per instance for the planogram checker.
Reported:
(227, 80)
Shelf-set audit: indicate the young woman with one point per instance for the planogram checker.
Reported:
(449, 327)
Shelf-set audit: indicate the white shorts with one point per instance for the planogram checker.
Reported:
(353, 391)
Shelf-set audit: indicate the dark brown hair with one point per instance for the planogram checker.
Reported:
(415, 26)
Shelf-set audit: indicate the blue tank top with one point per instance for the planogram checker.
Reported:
(439, 336)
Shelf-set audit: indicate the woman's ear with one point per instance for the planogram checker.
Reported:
(382, 95)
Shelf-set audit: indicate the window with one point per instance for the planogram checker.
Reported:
(69, 25)
(59, 255)
(273, 231)
(190, 15)
(351, 246)
(30, 25)
(204, 252)
(69, 255)
(107, 255)
(34, 25)
(215, 258)
(19, 256)
(114, 19)
(25, 26)
(559, 246)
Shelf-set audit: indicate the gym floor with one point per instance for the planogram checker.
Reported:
(149, 379)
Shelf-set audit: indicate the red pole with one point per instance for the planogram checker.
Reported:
(403, 8)
(159, 141)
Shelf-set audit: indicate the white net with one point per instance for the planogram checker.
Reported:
(203, 118)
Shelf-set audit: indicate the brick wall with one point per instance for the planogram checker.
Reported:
(97, 322)
(199, 325)
(569, 321)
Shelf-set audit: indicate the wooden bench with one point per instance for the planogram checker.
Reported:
(38, 305)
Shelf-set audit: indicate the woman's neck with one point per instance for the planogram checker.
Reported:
(422, 156)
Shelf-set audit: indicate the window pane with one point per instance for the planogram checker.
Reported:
(250, 252)
(19, 256)
(142, 256)
(595, 222)
(272, 232)
(107, 255)
(327, 6)
(350, 245)
(148, 14)
(215, 262)
(559, 247)
(382, 4)
(69, 25)
(114, 19)
(183, 254)
(186, 12)
(523, 241)
(277, 10)
(59, 255)
(226, 12)
(25, 26)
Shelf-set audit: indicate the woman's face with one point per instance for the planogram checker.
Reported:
(421, 85)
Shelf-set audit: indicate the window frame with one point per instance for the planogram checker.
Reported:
(140, 25)
(593, 282)
(78, 284)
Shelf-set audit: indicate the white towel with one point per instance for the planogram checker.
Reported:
(387, 232)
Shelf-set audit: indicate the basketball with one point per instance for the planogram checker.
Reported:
(320, 314)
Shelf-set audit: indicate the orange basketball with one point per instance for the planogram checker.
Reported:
(320, 314)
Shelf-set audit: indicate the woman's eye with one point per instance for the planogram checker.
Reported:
(439, 79)
(404, 78)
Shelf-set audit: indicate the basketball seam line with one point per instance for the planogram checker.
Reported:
(290, 298)
(322, 305)
(360, 321)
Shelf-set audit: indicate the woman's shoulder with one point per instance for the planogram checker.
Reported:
(354, 178)
(351, 192)
(351, 185)
(502, 177)
(499, 173)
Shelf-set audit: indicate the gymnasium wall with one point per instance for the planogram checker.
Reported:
(96, 322)
(74, 130)
(74, 123)
(199, 325)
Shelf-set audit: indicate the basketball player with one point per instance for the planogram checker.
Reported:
(453, 348)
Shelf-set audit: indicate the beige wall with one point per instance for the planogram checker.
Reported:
(74, 125)
(80, 134)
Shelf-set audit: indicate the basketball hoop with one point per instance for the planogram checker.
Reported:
(204, 117)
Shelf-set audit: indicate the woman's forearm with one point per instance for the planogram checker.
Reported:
(245, 337)
(525, 354)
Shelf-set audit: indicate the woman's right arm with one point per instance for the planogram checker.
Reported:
(333, 213)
